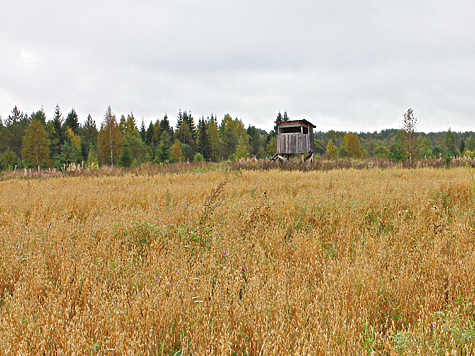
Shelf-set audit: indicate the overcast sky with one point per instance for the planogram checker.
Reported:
(343, 65)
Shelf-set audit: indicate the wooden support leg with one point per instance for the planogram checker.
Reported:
(283, 159)
(309, 158)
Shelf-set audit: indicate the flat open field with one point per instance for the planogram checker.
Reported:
(372, 262)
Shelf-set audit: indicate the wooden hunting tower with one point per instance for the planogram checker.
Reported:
(294, 137)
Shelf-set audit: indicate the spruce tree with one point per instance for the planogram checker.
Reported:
(70, 150)
(398, 151)
(143, 131)
(15, 127)
(88, 134)
(72, 121)
(165, 125)
(40, 116)
(126, 158)
(188, 118)
(213, 135)
(157, 133)
(462, 146)
(255, 140)
(204, 146)
(149, 135)
(286, 117)
(179, 119)
(130, 124)
(163, 150)
(57, 133)
(228, 143)
(184, 135)
(122, 123)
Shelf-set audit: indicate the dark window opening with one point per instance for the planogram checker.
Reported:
(290, 129)
(305, 130)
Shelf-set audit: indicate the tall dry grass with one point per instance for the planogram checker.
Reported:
(246, 262)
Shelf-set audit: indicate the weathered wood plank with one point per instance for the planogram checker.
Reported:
(294, 143)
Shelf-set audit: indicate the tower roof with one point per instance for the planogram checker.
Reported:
(293, 122)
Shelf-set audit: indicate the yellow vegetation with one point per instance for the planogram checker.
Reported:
(247, 262)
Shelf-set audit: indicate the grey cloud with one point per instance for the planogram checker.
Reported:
(342, 64)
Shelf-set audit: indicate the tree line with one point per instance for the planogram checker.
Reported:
(397, 144)
(31, 140)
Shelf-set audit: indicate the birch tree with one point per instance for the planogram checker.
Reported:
(408, 127)
(109, 141)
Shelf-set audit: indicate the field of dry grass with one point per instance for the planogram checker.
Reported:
(349, 262)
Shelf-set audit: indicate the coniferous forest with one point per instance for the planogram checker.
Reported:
(28, 141)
